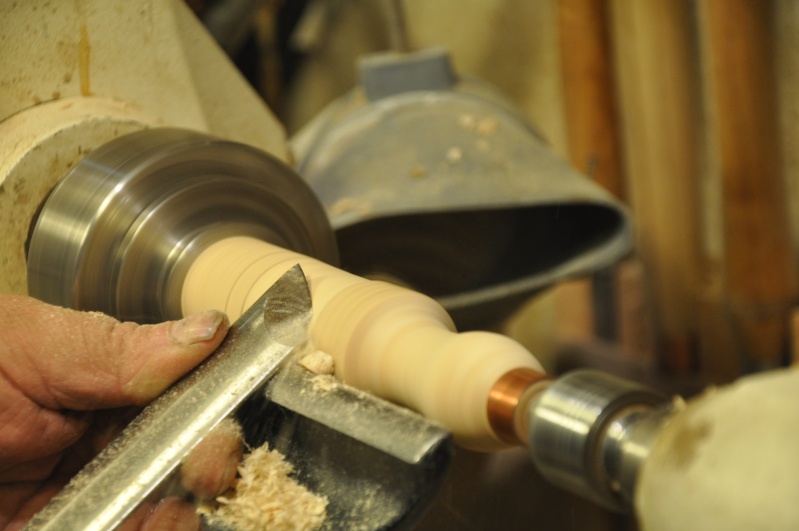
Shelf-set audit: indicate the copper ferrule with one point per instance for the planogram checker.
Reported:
(507, 394)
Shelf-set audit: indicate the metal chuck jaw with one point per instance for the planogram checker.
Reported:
(589, 433)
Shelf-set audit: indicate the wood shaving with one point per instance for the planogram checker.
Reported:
(454, 155)
(267, 497)
(487, 126)
(318, 362)
(347, 205)
(467, 121)
(482, 126)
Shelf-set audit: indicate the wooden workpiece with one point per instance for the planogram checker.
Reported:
(394, 342)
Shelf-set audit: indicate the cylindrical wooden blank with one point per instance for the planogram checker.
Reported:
(394, 342)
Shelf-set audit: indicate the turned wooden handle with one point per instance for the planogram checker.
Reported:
(394, 342)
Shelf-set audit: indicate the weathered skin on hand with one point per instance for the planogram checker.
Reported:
(68, 380)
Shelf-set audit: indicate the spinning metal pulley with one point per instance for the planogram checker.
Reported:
(131, 217)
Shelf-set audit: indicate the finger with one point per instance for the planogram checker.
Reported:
(12, 498)
(172, 514)
(28, 432)
(174, 348)
(37, 498)
(210, 469)
(106, 426)
(19, 505)
(169, 514)
(35, 470)
(78, 360)
(135, 521)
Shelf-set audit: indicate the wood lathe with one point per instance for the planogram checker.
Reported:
(136, 201)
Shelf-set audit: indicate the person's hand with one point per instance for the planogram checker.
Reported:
(68, 378)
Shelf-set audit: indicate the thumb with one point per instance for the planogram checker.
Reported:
(78, 360)
(168, 351)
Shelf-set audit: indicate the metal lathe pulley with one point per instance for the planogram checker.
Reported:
(135, 212)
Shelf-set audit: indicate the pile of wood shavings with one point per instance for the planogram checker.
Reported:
(267, 497)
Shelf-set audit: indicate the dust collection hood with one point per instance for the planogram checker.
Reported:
(438, 183)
